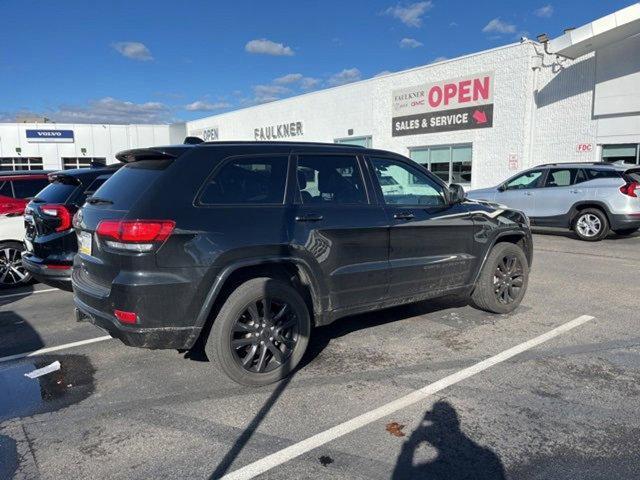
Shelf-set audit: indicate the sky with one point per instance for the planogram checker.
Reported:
(166, 61)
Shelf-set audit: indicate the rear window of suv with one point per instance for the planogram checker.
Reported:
(56, 192)
(129, 183)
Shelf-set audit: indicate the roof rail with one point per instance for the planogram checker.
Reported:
(278, 142)
(576, 163)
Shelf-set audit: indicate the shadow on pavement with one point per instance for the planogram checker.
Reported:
(8, 456)
(457, 456)
(17, 335)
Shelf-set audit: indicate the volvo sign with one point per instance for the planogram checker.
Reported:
(50, 136)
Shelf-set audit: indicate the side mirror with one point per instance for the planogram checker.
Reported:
(502, 188)
(456, 193)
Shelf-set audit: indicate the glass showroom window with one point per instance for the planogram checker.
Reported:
(81, 162)
(20, 163)
(623, 153)
(452, 163)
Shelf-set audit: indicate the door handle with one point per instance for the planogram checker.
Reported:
(528, 194)
(575, 190)
(312, 217)
(403, 216)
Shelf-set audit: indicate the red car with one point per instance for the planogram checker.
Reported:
(18, 187)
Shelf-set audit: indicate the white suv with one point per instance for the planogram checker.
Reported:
(588, 198)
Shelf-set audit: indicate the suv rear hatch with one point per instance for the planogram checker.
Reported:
(108, 243)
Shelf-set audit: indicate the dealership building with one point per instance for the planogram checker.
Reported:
(473, 120)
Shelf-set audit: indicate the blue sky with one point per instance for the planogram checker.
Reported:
(162, 61)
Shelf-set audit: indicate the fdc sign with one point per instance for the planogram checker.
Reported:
(456, 104)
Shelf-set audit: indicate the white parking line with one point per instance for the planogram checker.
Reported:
(24, 294)
(18, 356)
(297, 449)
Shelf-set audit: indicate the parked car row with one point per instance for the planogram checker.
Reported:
(243, 247)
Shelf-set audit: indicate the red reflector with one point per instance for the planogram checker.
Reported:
(58, 267)
(136, 231)
(125, 317)
(61, 212)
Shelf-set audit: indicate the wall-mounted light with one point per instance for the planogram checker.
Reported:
(350, 131)
(543, 38)
(18, 150)
(83, 151)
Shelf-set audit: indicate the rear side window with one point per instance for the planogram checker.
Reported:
(563, 177)
(56, 192)
(594, 174)
(248, 180)
(129, 183)
(29, 188)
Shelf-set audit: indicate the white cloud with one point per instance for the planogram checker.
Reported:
(267, 47)
(204, 106)
(133, 50)
(347, 75)
(309, 83)
(411, 15)
(410, 43)
(544, 12)
(289, 78)
(439, 59)
(453, 24)
(268, 93)
(105, 110)
(498, 26)
(382, 73)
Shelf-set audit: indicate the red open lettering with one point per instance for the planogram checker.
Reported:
(435, 96)
(481, 88)
(450, 91)
(464, 91)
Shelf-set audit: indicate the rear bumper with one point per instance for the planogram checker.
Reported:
(160, 302)
(42, 271)
(163, 337)
(624, 221)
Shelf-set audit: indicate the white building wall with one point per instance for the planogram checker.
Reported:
(98, 140)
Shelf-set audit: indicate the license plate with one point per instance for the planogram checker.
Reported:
(84, 243)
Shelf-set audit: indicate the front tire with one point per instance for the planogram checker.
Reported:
(12, 273)
(261, 332)
(591, 225)
(503, 280)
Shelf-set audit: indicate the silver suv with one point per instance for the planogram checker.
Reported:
(588, 198)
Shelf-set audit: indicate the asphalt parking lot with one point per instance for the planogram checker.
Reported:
(566, 406)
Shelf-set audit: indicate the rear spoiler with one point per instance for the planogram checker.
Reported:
(157, 153)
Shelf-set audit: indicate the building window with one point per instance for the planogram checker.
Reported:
(362, 141)
(81, 162)
(452, 163)
(622, 153)
(21, 163)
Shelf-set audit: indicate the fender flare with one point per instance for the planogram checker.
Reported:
(573, 211)
(506, 233)
(303, 268)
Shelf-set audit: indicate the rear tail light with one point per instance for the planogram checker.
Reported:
(61, 212)
(135, 235)
(630, 189)
(126, 317)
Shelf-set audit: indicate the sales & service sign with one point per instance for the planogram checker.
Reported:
(456, 104)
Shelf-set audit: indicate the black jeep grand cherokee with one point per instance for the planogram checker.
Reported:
(249, 244)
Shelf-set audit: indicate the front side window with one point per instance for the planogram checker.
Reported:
(529, 179)
(248, 180)
(5, 189)
(330, 179)
(402, 184)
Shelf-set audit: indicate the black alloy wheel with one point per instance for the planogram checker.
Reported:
(264, 335)
(508, 279)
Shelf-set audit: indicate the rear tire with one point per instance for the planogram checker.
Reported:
(591, 225)
(12, 273)
(503, 280)
(626, 231)
(260, 318)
